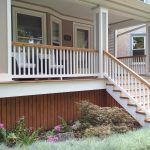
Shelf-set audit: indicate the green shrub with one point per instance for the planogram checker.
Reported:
(2, 135)
(94, 116)
(99, 131)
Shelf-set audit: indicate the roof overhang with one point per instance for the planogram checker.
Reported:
(122, 13)
(131, 8)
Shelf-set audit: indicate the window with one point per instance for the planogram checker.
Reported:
(29, 26)
(56, 31)
(138, 44)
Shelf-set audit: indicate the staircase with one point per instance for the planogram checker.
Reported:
(129, 89)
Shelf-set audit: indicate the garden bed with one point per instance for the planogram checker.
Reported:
(94, 121)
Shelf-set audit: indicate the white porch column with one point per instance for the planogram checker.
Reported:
(5, 40)
(147, 52)
(101, 34)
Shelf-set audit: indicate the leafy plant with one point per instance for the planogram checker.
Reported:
(51, 132)
(65, 127)
(2, 134)
(28, 138)
(21, 135)
(11, 139)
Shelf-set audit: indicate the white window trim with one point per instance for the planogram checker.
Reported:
(55, 19)
(89, 28)
(31, 13)
(138, 35)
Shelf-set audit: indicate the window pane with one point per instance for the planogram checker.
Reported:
(29, 28)
(56, 37)
(82, 38)
(138, 42)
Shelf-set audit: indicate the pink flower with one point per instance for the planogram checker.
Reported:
(52, 138)
(58, 128)
(1, 125)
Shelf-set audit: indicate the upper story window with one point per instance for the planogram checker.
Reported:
(138, 44)
(29, 26)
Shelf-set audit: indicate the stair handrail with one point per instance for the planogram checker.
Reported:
(128, 69)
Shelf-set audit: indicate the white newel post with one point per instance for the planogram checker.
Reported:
(147, 52)
(101, 34)
(5, 40)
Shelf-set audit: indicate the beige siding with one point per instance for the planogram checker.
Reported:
(111, 42)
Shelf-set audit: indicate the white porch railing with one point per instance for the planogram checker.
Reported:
(46, 61)
(136, 63)
(130, 83)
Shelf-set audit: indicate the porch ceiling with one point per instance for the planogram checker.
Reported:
(121, 14)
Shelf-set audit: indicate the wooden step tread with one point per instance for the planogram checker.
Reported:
(109, 84)
(140, 112)
(124, 97)
(117, 90)
(147, 120)
(130, 103)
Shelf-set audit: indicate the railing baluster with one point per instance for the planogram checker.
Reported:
(28, 60)
(41, 61)
(14, 59)
(74, 62)
(83, 61)
(70, 62)
(57, 61)
(24, 61)
(86, 67)
(64, 61)
(33, 62)
(37, 60)
(53, 62)
(89, 64)
(50, 61)
(19, 51)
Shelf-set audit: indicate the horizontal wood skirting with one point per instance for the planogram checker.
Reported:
(43, 110)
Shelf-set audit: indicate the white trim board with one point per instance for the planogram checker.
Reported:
(25, 89)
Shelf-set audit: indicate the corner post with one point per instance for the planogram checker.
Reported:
(147, 52)
(101, 35)
(5, 37)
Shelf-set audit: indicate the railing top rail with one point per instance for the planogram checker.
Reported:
(53, 47)
(128, 69)
(124, 57)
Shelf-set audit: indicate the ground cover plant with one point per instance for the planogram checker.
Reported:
(132, 140)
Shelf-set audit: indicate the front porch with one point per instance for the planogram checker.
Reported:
(50, 41)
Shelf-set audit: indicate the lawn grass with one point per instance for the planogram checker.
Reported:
(137, 140)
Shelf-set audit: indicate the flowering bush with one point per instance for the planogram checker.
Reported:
(58, 128)
(1, 125)
(57, 133)
(52, 138)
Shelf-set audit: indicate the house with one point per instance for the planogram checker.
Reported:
(52, 56)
